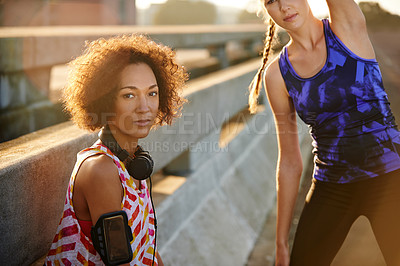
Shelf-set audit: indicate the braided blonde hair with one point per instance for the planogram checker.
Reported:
(255, 85)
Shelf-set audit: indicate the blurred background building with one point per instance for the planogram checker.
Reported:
(67, 12)
(121, 12)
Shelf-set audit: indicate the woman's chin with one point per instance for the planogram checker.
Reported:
(135, 132)
(142, 133)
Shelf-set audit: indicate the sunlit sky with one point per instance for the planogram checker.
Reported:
(318, 6)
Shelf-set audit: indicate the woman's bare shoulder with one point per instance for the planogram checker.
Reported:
(97, 170)
(98, 185)
(273, 66)
(273, 78)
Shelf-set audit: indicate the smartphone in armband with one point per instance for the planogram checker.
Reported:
(111, 238)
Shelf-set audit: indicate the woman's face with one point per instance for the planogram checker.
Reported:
(137, 101)
(289, 14)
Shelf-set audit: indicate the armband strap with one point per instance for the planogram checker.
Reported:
(111, 238)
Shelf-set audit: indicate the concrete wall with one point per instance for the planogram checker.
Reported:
(34, 172)
(214, 218)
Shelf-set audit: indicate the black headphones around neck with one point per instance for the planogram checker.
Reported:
(140, 167)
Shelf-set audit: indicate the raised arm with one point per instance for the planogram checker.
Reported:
(346, 12)
(290, 164)
(349, 24)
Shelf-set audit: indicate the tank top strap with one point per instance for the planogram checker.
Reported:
(334, 42)
(96, 149)
(283, 62)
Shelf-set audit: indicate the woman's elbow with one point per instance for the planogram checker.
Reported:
(292, 167)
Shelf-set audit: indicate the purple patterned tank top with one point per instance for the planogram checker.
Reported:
(347, 110)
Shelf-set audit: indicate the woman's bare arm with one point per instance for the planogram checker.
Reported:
(349, 24)
(290, 164)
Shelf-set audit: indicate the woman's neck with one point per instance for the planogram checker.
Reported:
(308, 36)
(125, 141)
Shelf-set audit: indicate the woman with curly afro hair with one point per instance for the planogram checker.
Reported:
(124, 86)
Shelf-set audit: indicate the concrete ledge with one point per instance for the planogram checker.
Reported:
(33, 177)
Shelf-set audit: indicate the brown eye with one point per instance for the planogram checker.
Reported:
(128, 96)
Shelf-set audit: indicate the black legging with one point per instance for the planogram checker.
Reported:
(331, 209)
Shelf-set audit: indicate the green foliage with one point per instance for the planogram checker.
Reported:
(175, 12)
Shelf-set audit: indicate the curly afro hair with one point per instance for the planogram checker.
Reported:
(94, 76)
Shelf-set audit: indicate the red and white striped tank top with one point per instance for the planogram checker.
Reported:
(72, 247)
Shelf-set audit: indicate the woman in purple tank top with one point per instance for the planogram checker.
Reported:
(329, 76)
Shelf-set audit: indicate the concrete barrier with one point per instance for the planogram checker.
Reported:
(216, 216)
(43, 47)
(212, 219)
(28, 55)
(34, 172)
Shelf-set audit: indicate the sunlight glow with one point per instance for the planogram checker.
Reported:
(318, 7)
(142, 4)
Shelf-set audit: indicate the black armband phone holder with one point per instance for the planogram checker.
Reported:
(111, 238)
